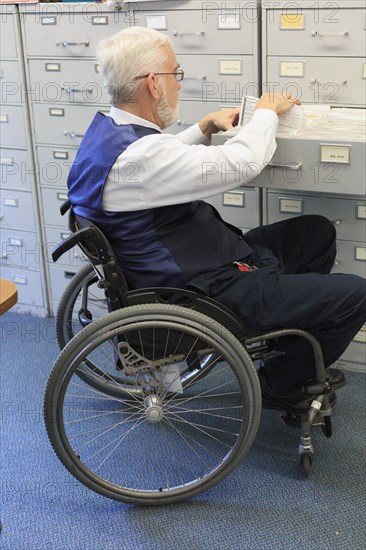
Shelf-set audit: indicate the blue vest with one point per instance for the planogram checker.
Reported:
(165, 246)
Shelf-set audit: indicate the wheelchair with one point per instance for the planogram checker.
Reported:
(155, 396)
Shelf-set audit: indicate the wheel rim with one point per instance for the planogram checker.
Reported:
(193, 439)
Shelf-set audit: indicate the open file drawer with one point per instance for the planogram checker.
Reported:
(326, 155)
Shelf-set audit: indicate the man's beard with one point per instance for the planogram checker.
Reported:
(167, 114)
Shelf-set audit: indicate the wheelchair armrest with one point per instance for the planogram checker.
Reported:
(70, 242)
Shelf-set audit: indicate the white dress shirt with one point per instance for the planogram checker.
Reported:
(164, 169)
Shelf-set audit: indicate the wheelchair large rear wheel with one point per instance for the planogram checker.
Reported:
(165, 442)
(83, 293)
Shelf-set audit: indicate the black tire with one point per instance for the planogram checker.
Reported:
(327, 426)
(306, 462)
(154, 447)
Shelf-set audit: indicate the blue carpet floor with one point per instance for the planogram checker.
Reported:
(264, 504)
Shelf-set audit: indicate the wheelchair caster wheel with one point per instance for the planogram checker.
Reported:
(327, 426)
(306, 461)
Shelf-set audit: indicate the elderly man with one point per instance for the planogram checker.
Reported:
(144, 189)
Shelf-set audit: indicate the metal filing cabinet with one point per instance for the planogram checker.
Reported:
(327, 66)
(21, 254)
(65, 92)
(217, 47)
(326, 43)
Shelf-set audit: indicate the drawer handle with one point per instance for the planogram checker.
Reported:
(337, 222)
(292, 166)
(4, 257)
(76, 90)
(66, 43)
(203, 77)
(325, 82)
(326, 34)
(184, 123)
(72, 134)
(180, 33)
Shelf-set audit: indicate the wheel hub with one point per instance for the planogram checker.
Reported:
(154, 410)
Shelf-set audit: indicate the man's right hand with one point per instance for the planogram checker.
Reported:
(278, 103)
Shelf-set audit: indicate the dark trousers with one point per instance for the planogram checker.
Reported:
(293, 289)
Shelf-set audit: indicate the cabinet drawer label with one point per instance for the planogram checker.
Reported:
(228, 20)
(291, 206)
(337, 154)
(7, 161)
(48, 20)
(233, 198)
(57, 112)
(19, 280)
(230, 66)
(4, 118)
(99, 20)
(361, 211)
(157, 21)
(292, 21)
(53, 67)
(11, 202)
(360, 253)
(62, 196)
(64, 155)
(294, 69)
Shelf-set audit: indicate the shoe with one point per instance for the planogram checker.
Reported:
(296, 403)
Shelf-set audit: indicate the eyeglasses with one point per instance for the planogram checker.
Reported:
(179, 75)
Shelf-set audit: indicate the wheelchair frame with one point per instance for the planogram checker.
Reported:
(139, 374)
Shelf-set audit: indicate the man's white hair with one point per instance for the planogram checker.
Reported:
(129, 53)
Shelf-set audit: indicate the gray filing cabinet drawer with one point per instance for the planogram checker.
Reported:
(351, 258)
(28, 284)
(8, 42)
(11, 85)
(72, 30)
(66, 81)
(52, 199)
(73, 258)
(219, 78)
(54, 165)
(347, 214)
(63, 124)
(297, 164)
(318, 79)
(199, 30)
(16, 169)
(12, 127)
(20, 248)
(317, 32)
(239, 207)
(16, 210)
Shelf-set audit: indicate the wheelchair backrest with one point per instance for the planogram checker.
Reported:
(95, 246)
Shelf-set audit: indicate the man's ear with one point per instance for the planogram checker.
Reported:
(152, 87)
